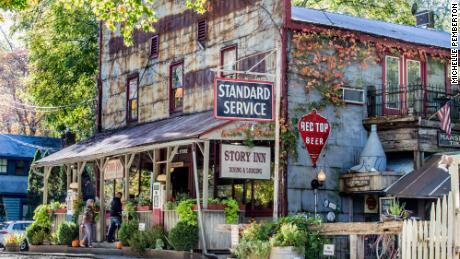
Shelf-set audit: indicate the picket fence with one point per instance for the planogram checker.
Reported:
(438, 238)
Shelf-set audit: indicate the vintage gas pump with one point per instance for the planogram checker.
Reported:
(158, 193)
(72, 200)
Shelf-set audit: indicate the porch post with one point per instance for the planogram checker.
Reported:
(127, 165)
(168, 175)
(69, 175)
(45, 183)
(101, 166)
(205, 174)
(80, 169)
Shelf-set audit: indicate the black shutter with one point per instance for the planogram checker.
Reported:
(202, 31)
(154, 46)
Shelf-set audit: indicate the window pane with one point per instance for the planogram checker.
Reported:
(392, 82)
(133, 88)
(133, 109)
(178, 97)
(229, 60)
(3, 166)
(177, 76)
(20, 167)
(436, 75)
(413, 73)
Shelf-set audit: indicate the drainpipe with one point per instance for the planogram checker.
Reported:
(198, 204)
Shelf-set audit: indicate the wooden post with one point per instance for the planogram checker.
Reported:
(68, 172)
(356, 247)
(101, 166)
(80, 169)
(46, 175)
(128, 161)
(205, 174)
(168, 176)
(276, 181)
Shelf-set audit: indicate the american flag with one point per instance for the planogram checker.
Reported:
(444, 117)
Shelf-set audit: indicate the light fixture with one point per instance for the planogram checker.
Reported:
(321, 176)
(161, 178)
(171, 170)
(236, 143)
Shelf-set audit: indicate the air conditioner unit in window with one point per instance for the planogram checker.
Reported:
(353, 95)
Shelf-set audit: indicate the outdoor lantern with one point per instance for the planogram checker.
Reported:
(321, 177)
(161, 178)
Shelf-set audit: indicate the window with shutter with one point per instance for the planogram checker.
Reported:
(202, 31)
(154, 46)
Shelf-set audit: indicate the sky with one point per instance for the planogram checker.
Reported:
(6, 28)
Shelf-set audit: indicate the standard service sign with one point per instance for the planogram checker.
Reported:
(236, 99)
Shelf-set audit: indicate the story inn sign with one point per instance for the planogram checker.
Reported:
(244, 162)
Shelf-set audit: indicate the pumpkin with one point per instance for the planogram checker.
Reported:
(119, 245)
(75, 243)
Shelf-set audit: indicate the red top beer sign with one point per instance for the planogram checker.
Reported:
(314, 130)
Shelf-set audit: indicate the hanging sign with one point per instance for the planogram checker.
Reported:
(243, 162)
(113, 170)
(236, 99)
(314, 130)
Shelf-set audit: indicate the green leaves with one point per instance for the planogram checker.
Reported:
(63, 54)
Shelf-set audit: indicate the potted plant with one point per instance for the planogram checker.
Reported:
(254, 243)
(12, 242)
(288, 242)
(57, 208)
(395, 212)
(143, 204)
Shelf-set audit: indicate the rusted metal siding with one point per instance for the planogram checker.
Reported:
(244, 23)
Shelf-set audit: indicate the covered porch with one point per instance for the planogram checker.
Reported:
(161, 162)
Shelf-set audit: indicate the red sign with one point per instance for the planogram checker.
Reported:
(314, 130)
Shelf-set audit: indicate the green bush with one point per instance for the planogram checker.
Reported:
(40, 229)
(127, 230)
(153, 238)
(66, 232)
(256, 249)
(183, 237)
(185, 212)
(231, 211)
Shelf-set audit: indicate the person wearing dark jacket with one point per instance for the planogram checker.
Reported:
(115, 216)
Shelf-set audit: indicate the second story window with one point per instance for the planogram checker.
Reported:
(20, 167)
(414, 73)
(176, 91)
(132, 98)
(3, 166)
(228, 57)
(392, 79)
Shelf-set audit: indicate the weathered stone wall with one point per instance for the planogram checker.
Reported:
(344, 145)
(244, 23)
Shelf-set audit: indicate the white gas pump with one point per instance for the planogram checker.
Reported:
(158, 194)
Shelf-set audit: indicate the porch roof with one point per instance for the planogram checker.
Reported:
(412, 34)
(135, 138)
(428, 182)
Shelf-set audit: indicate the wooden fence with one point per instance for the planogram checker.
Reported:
(438, 238)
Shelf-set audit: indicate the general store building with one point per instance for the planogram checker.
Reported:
(156, 101)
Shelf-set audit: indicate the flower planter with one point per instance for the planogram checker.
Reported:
(12, 247)
(143, 208)
(285, 252)
(60, 211)
(210, 207)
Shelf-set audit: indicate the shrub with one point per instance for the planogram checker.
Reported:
(13, 239)
(153, 238)
(231, 211)
(184, 237)
(66, 233)
(290, 235)
(252, 249)
(36, 234)
(185, 212)
(127, 230)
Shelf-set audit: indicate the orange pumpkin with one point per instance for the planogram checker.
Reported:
(75, 243)
(119, 245)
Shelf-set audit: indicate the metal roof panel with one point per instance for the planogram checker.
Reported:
(406, 33)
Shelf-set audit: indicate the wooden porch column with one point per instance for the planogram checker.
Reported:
(153, 156)
(128, 161)
(205, 174)
(356, 247)
(68, 172)
(46, 175)
(168, 175)
(101, 222)
(80, 169)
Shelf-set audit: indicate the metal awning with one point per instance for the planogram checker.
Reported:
(428, 182)
(184, 129)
